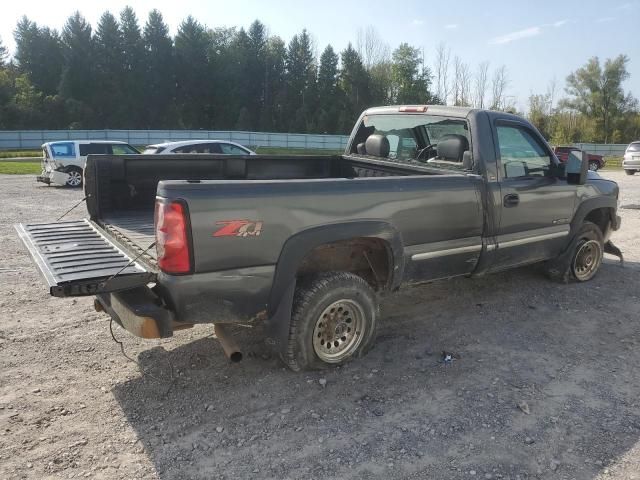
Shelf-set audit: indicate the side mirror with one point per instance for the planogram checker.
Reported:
(577, 168)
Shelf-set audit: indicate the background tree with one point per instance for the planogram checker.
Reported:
(159, 81)
(133, 70)
(354, 83)
(481, 84)
(77, 79)
(109, 71)
(596, 91)
(328, 91)
(192, 72)
(301, 81)
(410, 81)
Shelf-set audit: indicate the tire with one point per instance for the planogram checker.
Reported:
(582, 260)
(75, 177)
(629, 172)
(595, 166)
(344, 301)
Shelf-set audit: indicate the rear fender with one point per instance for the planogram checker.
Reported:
(295, 250)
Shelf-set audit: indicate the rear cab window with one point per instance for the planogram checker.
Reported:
(634, 147)
(412, 137)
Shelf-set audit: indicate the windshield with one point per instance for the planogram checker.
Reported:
(414, 137)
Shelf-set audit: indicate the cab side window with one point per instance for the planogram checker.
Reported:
(229, 149)
(93, 148)
(122, 149)
(521, 154)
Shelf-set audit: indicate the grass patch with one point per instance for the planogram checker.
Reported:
(20, 168)
(613, 163)
(20, 153)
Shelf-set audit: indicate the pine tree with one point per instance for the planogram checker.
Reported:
(133, 70)
(77, 81)
(192, 74)
(109, 72)
(354, 83)
(327, 117)
(159, 81)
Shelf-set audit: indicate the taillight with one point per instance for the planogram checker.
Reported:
(172, 240)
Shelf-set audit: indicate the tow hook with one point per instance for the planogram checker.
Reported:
(610, 248)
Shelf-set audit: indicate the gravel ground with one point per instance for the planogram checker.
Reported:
(72, 406)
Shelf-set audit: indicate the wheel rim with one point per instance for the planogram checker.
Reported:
(593, 166)
(338, 331)
(75, 178)
(587, 260)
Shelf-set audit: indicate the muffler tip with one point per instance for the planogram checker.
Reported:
(229, 345)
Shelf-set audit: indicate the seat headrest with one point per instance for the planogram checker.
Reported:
(452, 147)
(360, 148)
(377, 145)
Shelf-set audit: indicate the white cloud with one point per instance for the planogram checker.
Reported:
(451, 26)
(513, 36)
(418, 22)
(560, 23)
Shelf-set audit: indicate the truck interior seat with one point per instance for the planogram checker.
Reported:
(377, 146)
(452, 147)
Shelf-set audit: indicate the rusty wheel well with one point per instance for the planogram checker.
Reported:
(601, 217)
(367, 257)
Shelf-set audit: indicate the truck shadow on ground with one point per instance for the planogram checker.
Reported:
(564, 353)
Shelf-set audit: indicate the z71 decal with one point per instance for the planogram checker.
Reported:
(238, 228)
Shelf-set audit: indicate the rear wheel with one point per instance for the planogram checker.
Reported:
(333, 320)
(629, 172)
(75, 177)
(593, 165)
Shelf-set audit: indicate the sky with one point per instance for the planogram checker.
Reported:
(536, 41)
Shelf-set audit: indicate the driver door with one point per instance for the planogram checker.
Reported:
(536, 206)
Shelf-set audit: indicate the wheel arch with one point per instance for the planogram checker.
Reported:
(301, 247)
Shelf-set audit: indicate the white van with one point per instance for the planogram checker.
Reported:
(63, 162)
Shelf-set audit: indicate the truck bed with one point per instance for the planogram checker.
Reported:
(135, 231)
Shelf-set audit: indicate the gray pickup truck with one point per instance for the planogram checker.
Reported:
(306, 245)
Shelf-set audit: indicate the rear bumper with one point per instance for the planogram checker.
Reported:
(55, 177)
(139, 311)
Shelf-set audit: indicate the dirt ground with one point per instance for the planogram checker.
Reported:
(72, 406)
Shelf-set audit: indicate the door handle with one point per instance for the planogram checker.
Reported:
(511, 200)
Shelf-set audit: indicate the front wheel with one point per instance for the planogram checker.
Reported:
(333, 320)
(594, 166)
(629, 172)
(583, 257)
(75, 177)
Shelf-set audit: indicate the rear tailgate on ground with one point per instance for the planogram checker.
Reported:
(77, 259)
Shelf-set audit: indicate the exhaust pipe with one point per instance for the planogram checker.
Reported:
(229, 345)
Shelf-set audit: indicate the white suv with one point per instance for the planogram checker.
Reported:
(631, 160)
(63, 162)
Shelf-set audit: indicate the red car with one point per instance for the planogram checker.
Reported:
(596, 162)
